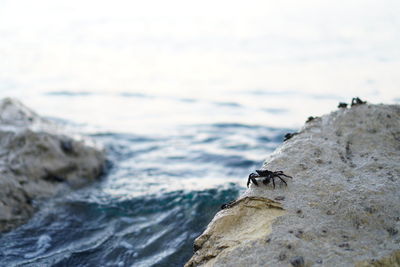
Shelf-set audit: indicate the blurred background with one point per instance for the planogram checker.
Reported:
(188, 97)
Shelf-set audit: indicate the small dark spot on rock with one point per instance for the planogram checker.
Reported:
(291, 231)
(67, 146)
(345, 236)
(356, 223)
(228, 205)
(349, 153)
(299, 211)
(288, 136)
(392, 231)
(390, 176)
(344, 245)
(319, 161)
(289, 246)
(329, 212)
(310, 119)
(196, 247)
(53, 177)
(324, 231)
(28, 200)
(342, 157)
(16, 211)
(299, 234)
(317, 153)
(268, 240)
(280, 198)
(388, 116)
(342, 105)
(297, 261)
(303, 166)
(282, 256)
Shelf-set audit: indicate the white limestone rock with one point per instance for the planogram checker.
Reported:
(342, 207)
(38, 159)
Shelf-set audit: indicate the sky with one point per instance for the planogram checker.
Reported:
(304, 53)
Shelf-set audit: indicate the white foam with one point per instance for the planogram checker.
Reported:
(42, 244)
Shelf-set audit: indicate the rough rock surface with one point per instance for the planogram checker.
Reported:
(342, 207)
(37, 160)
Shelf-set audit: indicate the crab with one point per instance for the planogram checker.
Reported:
(268, 176)
(288, 136)
(357, 101)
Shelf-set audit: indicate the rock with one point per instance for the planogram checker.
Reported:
(232, 225)
(38, 159)
(392, 260)
(340, 209)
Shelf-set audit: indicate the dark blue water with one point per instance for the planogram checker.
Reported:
(159, 194)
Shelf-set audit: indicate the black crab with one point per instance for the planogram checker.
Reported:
(357, 101)
(268, 176)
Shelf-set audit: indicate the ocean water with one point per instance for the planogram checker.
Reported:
(160, 192)
(187, 99)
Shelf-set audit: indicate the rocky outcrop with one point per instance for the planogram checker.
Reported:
(342, 207)
(39, 159)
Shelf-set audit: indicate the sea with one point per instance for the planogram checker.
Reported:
(187, 98)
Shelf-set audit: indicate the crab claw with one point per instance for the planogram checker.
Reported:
(252, 177)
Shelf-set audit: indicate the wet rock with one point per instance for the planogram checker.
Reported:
(39, 159)
(344, 213)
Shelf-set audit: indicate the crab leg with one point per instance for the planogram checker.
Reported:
(282, 179)
(285, 175)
